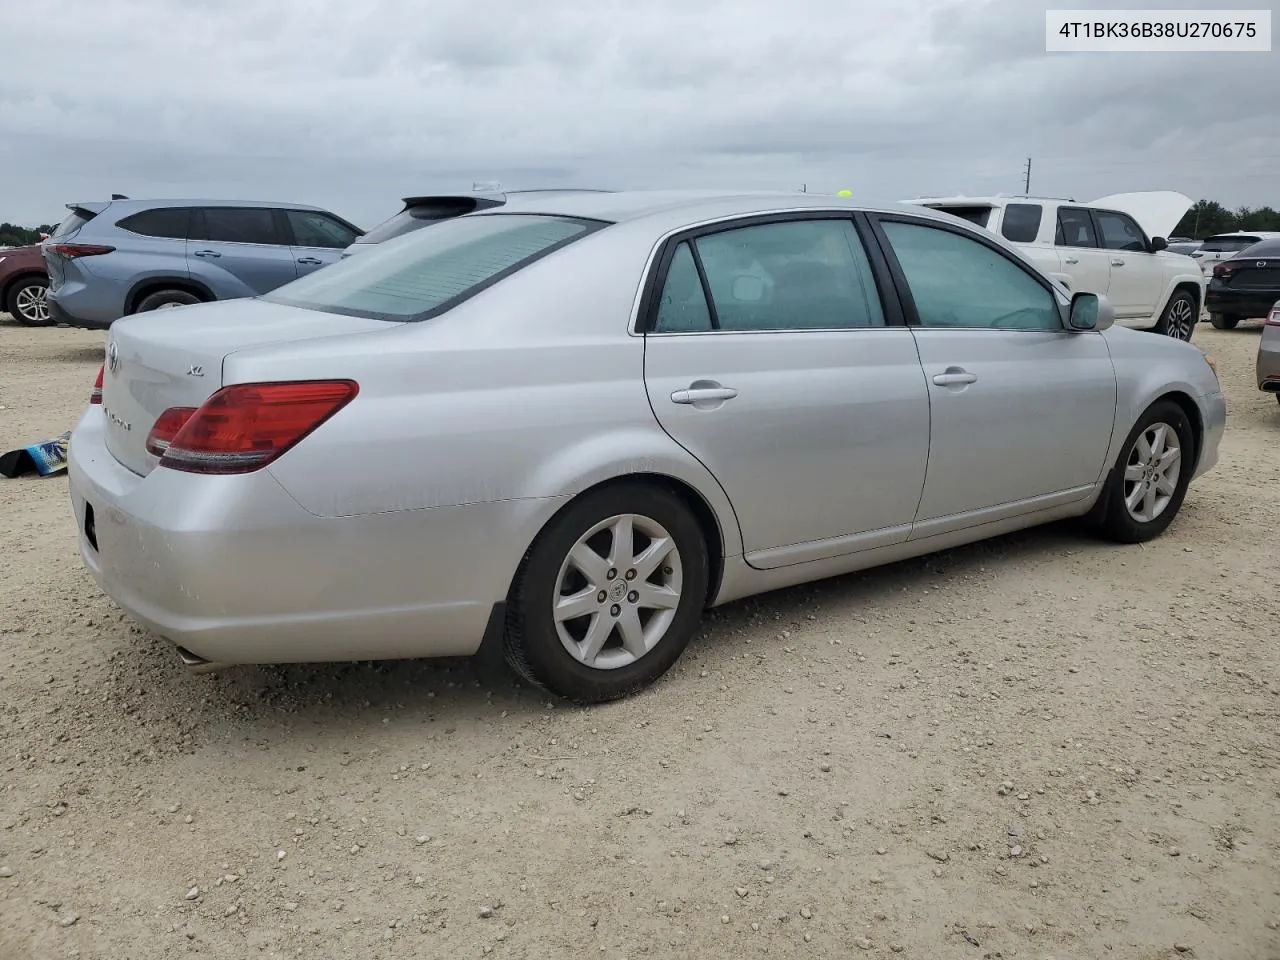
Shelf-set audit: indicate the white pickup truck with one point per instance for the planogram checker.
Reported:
(1114, 246)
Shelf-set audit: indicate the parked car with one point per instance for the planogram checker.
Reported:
(571, 426)
(1186, 248)
(112, 258)
(1245, 286)
(1223, 246)
(421, 212)
(1269, 353)
(23, 282)
(1111, 246)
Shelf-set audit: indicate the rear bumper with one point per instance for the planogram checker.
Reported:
(61, 315)
(1268, 367)
(1244, 303)
(233, 570)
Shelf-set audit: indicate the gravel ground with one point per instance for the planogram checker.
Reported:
(1036, 747)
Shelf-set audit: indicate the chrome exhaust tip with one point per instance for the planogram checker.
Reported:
(197, 664)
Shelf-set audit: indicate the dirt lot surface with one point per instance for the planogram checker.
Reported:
(1037, 747)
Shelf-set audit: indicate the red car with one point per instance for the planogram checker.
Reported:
(23, 282)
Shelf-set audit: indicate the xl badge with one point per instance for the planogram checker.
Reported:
(195, 370)
(113, 356)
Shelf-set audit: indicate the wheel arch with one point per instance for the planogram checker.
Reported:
(1188, 406)
(150, 285)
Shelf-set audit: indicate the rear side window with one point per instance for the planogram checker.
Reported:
(427, 273)
(236, 225)
(1075, 228)
(1021, 222)
(311, 229)
(169, 223)
(71, 223)
(1228, 244)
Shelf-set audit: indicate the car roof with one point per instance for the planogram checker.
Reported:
(692, 206)
(160, 203)
(1262, 234)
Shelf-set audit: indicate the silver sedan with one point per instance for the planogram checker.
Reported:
(568, 426)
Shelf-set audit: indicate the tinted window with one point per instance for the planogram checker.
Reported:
(682, 307)
(976, 215)
(1264, 248)
(236, 225)
(1224, 244)
(1075, 228)
(802, 275)
(956, 281)
(170, 223)
(432, 269)
(1021, 222)
(1120, 232)
(71, 223)
(311, 229)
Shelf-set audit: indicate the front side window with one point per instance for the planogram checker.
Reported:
(1075, 228)
(1021, 222)
(429, 271)
(236, 225)
(1120, 232)
(169, 223)
(311, 229)
(956, 281)
(795, 275)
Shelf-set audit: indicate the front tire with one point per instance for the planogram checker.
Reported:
(1179, 317)
(1224, 321)
(1146, 487)
(609, 595)
(26, 302)
(164, 299)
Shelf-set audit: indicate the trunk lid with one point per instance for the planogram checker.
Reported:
(1157, 211)
(174, 358)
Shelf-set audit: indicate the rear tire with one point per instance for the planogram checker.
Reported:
(633, 559)
(1179, 317)
(1224, 321)
(26, 302)
(1143, 494)
(162, 299)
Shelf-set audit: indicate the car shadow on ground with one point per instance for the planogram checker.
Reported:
(242, 701)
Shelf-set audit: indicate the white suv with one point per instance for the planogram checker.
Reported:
(1113, 246)
(1224, 246)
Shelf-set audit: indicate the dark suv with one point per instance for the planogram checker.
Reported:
(111, 258)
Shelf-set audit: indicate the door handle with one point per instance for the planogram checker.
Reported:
(703, 394)
(954, 377)
(1117, 262)
(310, 261)
(1071, 260)
(207, 253)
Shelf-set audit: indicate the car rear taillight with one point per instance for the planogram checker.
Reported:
(166, 428)
(1225, 269)
(73, 250)
(95, 395)
(244, 427)
(1273, 318)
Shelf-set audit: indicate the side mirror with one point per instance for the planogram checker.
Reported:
(1157, 244)
(1090, 312)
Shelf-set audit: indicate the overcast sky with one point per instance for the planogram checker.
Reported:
(352, 104)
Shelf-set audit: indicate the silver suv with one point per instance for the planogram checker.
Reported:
(111, 258)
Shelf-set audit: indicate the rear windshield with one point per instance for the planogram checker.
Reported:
(74, 221)
(1227, 244)
(975, 215)
(430, 271)
(1265, 248)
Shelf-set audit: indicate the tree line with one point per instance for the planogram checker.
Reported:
(1205, 218)
(12, 235)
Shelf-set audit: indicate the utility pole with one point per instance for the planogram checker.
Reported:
(1026, 187)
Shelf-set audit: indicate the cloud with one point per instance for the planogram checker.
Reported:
(353, 105)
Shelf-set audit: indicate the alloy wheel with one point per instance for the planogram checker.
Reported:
(1151, 472)
(617, 591)
(1181, 320)
(31, 304)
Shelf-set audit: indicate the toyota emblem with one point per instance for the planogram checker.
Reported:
(113, 356)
